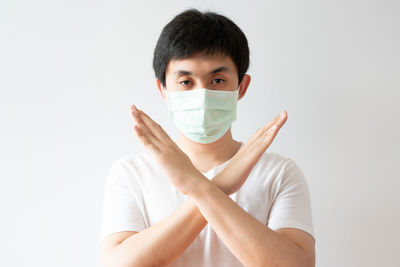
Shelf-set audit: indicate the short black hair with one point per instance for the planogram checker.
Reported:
(192, 32)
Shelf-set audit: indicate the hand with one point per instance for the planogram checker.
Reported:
(232, 177)
(175, 163)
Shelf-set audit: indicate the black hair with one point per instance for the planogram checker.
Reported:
(192, 32)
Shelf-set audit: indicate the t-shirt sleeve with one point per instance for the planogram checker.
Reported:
(291, 207)
(121, 209)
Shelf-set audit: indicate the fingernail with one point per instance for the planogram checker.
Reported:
(282, 114)
(134, 110)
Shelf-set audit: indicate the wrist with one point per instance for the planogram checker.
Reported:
(219, 183)
(198, 186)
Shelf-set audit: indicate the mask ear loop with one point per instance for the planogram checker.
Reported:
(236, 102)
(168, 107)
(165, 92)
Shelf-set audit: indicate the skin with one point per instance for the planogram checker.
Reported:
(209, 200)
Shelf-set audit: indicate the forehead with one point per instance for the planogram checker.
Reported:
(200, 65)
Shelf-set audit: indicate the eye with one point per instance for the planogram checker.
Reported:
(186, 82)
(219, 81)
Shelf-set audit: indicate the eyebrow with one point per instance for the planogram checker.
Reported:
(185, 72)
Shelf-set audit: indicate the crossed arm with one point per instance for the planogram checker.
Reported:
(209, 202)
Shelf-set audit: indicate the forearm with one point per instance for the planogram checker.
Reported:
(162, 243)
(252, 242)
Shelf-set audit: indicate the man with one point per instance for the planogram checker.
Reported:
(206, 200)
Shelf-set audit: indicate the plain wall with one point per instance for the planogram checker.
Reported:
(69, 71)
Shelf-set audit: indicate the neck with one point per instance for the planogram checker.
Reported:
(207, 156)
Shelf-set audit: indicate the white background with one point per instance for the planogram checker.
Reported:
(69, 70)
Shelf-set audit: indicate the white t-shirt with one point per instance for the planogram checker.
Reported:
(138, 195)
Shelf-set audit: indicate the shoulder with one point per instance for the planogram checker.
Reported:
(275, 161)
(131, 167)
(133, 162)
(280, 169)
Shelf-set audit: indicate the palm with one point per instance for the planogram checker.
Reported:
(238, 169)
(175, 163)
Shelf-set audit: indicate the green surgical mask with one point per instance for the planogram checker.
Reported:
(203, 115)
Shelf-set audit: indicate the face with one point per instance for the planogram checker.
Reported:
(212, 72)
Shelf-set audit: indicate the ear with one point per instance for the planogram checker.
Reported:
(244, 84)
(160, 88)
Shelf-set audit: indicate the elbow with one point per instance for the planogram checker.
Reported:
(113, 258)
(299, 262)
(279, 264)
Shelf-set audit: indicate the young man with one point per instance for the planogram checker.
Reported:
(206, 200)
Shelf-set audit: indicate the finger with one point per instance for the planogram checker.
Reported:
(265, 129)
(139, 121)
(154, 127)
(139, 124)
(282, 119)
(270, 135)
(147, 140)
(265, 139)
(278, 120)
